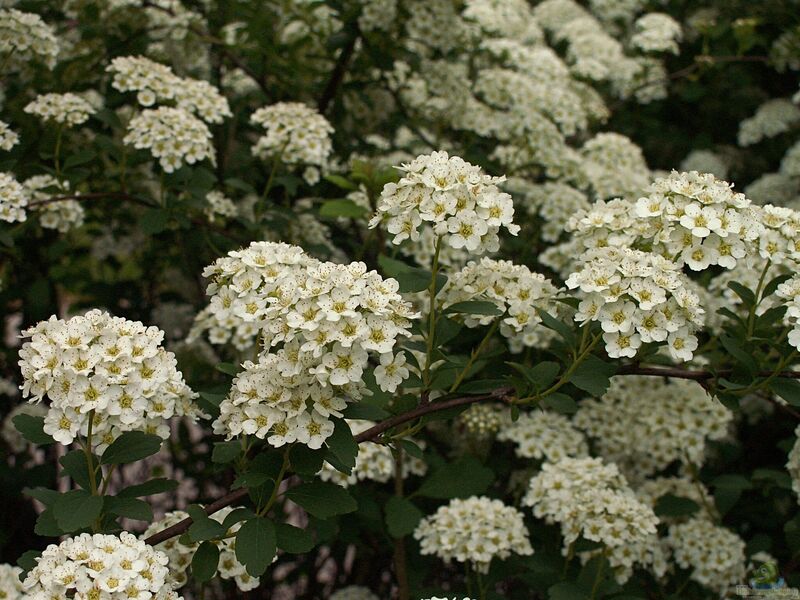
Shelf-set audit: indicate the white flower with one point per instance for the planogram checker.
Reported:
(391, 372)
(622, 344)
(64, 109)
(681, 344)
(13, 199)
(24, 35)
(295, 134)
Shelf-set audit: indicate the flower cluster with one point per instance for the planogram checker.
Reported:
(13, 199)
(699, 220)
(219, 205)
(544, 435)
(8, 137)
(100, 566)
(517, 293)
(614, 166)
(637, 297)
(474, 530)
(64, 109)
(172, 135)
(10, 585)
(790, 291)
(772, 118)
(62, 215)
(328, 317)
(295, 134)
(374, 462)
(25, 35)
(107, 369)
(483, 420)
(591, 499)
(644, 424)
(656, 32)
(156, 83)
(180, 555)
(714, 555)
(463, 205)
(779, 241)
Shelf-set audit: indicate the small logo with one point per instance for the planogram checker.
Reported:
(767, 583)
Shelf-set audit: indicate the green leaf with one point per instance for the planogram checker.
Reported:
(75, 466)
(132, 508)
(250, 479)
(343, 444)
(79, 158)
(322, 500)
(770, 288)
(76, 510)
(305, 461)
(747, 296)
(293, 539)
(560, 403)
(130, 447)
(788, 389)
(228, 368)
(149, 488)
(474, 307)
(451, 480)
(670, 505)
(341, 182)
(203, 527)
(411, 448)
(593, 375)
(237, 515)
(735, 349)
(205, 562)
(43, 495)
(564, 330)
(256, 544)
(402, 516)
(32, 429)
(46, 524)
(540, 375)
(154, 221)
(28, 560)
(225, 452)
(411, 279)
(566, 590)
(342, 208)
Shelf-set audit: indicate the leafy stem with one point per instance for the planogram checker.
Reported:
(474, 355)
(426, 373)
(751, 317)
(278, 480)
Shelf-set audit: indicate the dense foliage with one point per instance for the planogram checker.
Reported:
(370, 299)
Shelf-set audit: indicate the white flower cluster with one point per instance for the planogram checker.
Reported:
(172, 135)
(464, 206)
(790, 292)
(793, 463)
(474, 530)
(25, 35)
(64, 109)
(483, 420)
(638, 298)
(714, 555)
(156, 83)
(295, 134)
(700, 221)
(780, 235)
(10, 585)
(614, 166)
(62, 215)
(8, 137)
(353, 592)
(555, 203)
(544, 436)
(180, 555)
(13, 438)
(656, 32)
(772, 118)
(377, 15)
(516, 292)
(100, 566)
(13, 199)
(707, 161)
(374, 462)
(328, 317)
(219, 205)
(104, 366)
(591, 499)
(644, 424)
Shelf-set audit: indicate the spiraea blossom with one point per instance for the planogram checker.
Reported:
(156, 83)
(8, 137)
(65, 109)
(100, 566)
(544, 435)
(106, 368)
(26, 35)
(463, 205)
(772, 118)
(328, 318)
(374, 462)
(474, 530)
(714, 555)
(779, 241)
(656, 32)
(10, 585)
(614, 166)
(62, 215)
(172, 135)
(180, 555)
(13, 199)
(295, 134)
(699, 220)
(789, 291)
(591, 499)
(637, 297)
(219, 205)
(483, 420)
(644, 424)
(517, 293)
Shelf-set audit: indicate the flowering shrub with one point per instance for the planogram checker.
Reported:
(399, 300)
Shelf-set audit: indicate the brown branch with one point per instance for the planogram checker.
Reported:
(694, 375)
(500, 394)
(338, 73)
